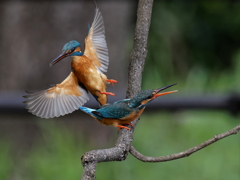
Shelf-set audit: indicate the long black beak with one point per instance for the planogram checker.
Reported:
(165, 87)
(59, 58)
(164, 93)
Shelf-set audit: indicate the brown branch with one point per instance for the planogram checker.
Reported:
(186, 153)
(123, 144)
(137, 59)
(139, 53)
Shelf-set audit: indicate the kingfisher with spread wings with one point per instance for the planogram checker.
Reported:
(87, 75)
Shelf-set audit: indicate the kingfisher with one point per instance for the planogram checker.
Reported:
(87, 75)
(123, 112)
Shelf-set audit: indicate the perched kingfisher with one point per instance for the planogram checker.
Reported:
(125, 111)
(87, 75)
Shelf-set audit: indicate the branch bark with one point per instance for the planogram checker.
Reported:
(137, 59)
(139, 53)
(186, 153)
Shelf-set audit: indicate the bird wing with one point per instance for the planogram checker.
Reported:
(95, 43)
(116, 111)
(58, 100)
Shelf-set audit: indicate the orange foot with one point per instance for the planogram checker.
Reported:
(120, 127)
(108, 93)
(112, 81)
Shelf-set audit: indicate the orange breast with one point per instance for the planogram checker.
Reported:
(88, 74)
(128, 119)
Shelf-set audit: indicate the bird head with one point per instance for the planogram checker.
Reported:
(146, 96)
(72, 48)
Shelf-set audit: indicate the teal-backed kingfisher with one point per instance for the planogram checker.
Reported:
(123, 112)
(87, 75)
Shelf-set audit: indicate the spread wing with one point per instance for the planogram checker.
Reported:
(116, 111)
(95, 43)
(58, 100)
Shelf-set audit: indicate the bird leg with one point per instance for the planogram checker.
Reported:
(108, 93)
(120, 127)
(111, 81)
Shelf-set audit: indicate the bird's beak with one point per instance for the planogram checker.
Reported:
(164, 93)
(59, 58)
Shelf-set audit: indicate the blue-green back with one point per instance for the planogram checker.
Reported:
(117, 111)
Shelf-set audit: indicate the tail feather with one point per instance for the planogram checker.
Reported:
(90, 112)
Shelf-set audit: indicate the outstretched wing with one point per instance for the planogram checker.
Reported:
(95, 43)
(115, 111)
(58, 100)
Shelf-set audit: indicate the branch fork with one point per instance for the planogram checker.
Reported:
(125, 137)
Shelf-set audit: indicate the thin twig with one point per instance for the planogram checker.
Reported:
(186, 153)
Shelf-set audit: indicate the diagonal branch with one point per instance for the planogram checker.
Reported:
(137, 59)
(186, 153)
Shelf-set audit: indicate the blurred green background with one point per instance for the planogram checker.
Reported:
(195, 44)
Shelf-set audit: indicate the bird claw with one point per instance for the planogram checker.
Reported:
(111, 81)
(121, 126)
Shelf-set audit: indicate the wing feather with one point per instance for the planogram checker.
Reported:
(58, 100)
(118, 111)
(95, 43)
(36, 104)
(39, 109)
(50, 112)
(46, 108)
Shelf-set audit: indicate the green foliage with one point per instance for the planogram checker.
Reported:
(56, 155)
(195, 44)
(158, 135)
(6, 160)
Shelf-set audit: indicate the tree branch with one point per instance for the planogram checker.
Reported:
(137, 59)
(123, 144)
(186, 153)
(139, 53)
